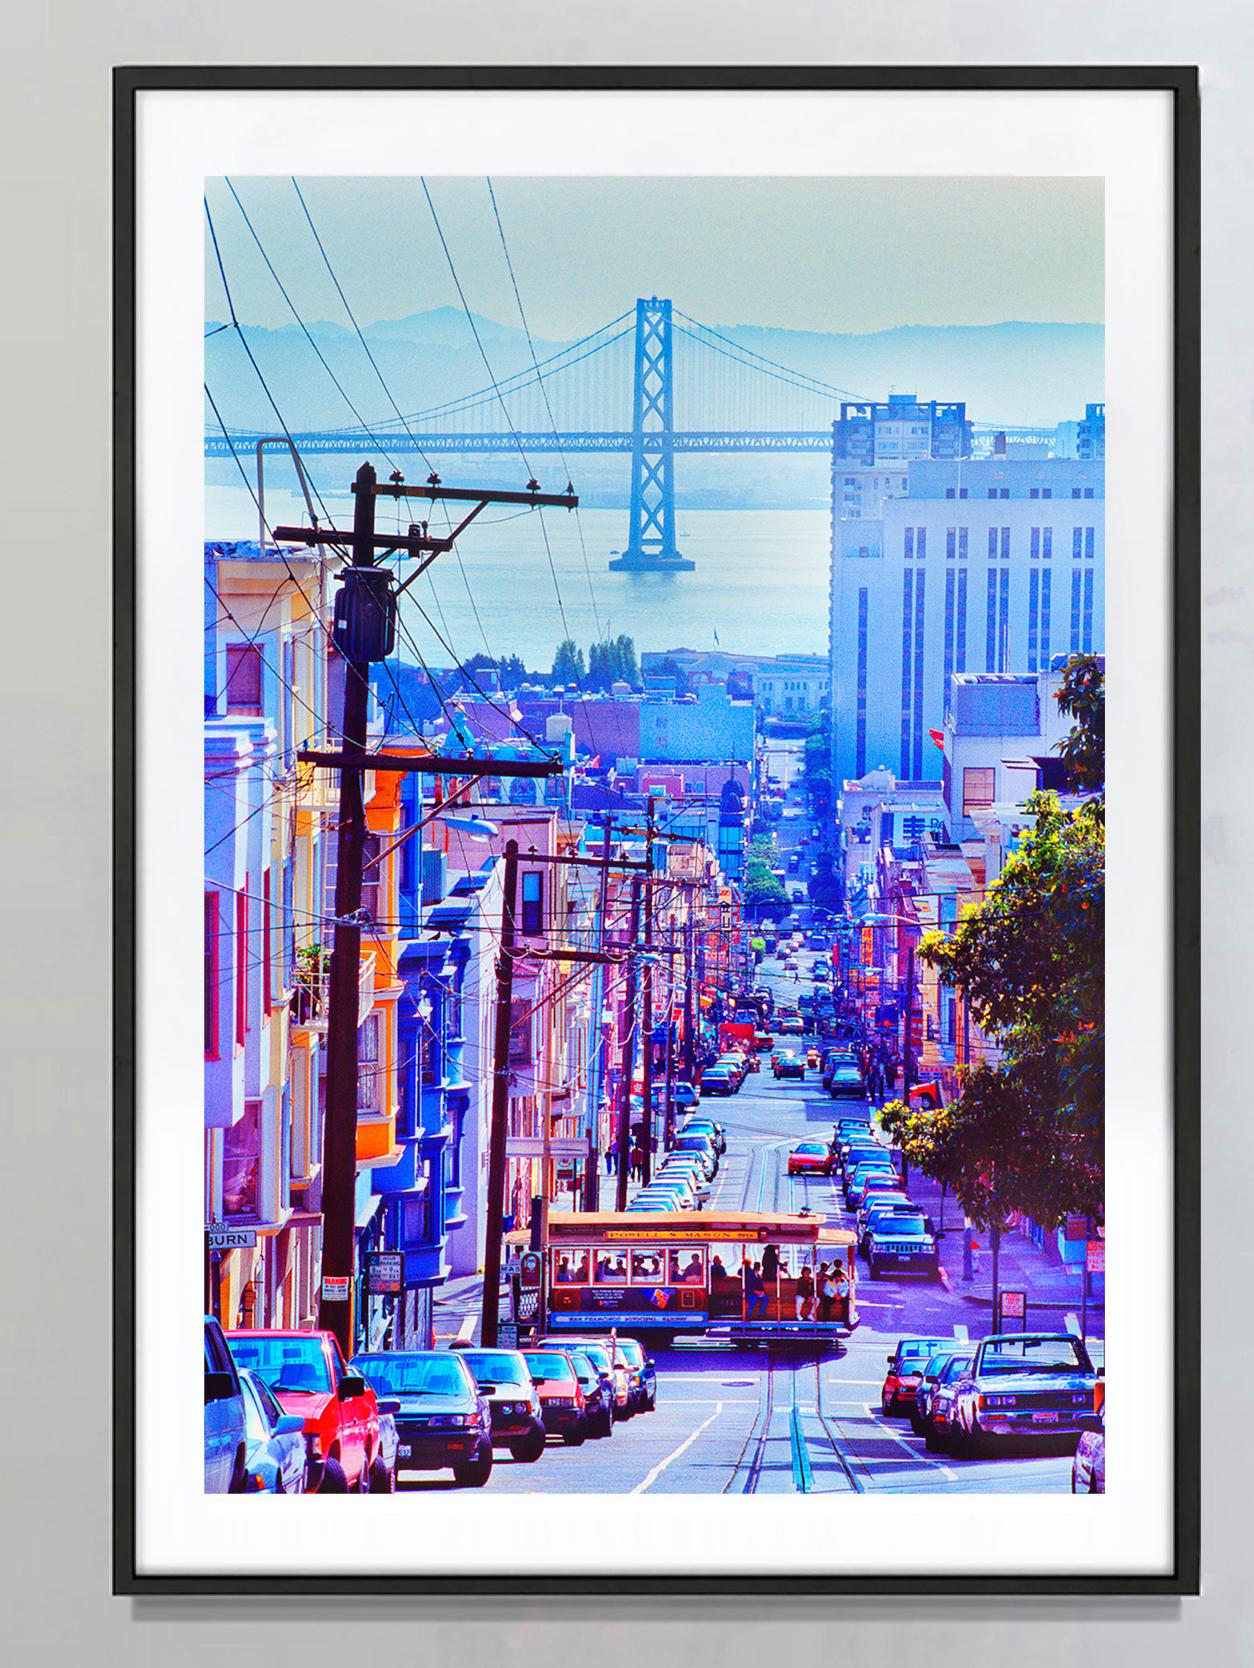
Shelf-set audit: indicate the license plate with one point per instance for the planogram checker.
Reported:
(1044, 1418)
(404, 1451)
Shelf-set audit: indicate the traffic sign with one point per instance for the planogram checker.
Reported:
(1095, 1256)
(1014, 1305)
(335, 1288)
(385, 1273)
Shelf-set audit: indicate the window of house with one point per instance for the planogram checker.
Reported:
(373, 892)
(267, 945)
(519, 1032)
(212, 974)
(978, 786)
(369, 1040)
(241, 966)
(241, 1156)
(243, 679)
(533, 902)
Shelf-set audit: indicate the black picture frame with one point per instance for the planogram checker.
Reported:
(1182, 83)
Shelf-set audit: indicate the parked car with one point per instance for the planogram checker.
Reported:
(905, 1367)
(822, 973)
(706, 1126)
(903, 1241)
(276, 1459)
(598, 1393)
(443, 1422)
(878, 1205)
(941, 1401)
(717, 1080)
(810, 1158)
(787, 1063)
(309, 1376)
(698, 1144)
(1088, 1468)
(789, 1023)
(929, 1378)
(226, 1441)
(561, 1398)
(643, 1374)
(685, 1095)
(1022, 1386)
(846, 1084)
(689, 1165)
(870, 1178)
(502, 1379)
(613, 1368)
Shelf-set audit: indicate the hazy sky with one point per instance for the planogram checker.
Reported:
(807, 254)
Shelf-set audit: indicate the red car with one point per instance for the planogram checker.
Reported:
(905, 1369)
(308, 1374)
(811, 1158)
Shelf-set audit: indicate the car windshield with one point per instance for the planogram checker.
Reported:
(545, 1366)
(914, 1351)
(413, 1375)
(894, 1222)
(497, 1371)
(584, 1367)
(631, 1352)
(954, 1368)
(291, 1364)
(1034, 1355)
(598, 1355)
(811, 1147)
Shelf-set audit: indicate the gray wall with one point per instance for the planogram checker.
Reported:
(54, 325)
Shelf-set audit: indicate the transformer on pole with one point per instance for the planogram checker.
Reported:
(651, 537)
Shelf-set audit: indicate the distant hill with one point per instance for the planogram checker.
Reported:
(1008, 373)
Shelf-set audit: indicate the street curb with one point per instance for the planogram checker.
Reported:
(1064, 1304)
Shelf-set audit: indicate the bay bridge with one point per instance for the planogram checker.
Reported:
(735, 401)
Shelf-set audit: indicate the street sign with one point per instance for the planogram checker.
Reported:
(335, 1288)
(385, 1273)
(1014, 1305)
(222, 1238)
(507, 1335)
(1095, 1256)
(1077, 1227)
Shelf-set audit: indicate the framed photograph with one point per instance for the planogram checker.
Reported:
(693, 568)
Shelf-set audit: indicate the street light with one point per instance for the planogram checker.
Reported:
(478, 828)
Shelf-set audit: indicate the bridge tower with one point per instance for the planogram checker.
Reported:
(651, 536)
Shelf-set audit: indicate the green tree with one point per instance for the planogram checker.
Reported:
(817, 765)
(1026, 1132)
(612, 659)
(763, 891)
(568, 666)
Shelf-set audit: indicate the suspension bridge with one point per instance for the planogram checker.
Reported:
(734, 399)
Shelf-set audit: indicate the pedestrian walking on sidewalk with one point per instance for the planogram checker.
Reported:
(637, 1162)
(611, 1157)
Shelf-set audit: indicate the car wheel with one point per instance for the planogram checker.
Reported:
(651, 1405)
(475, 1473)
(577, 1437)
(916, 1423)
(872, 1268)
(528, 1451)
(931, 1438)
(957, 1443)
(382, 1478)
(334, 1480)
(607, 1424)
(979, 1444)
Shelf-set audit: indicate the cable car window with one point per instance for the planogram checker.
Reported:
(571, 1268)
(647, 1267)
(687, 1267)
(611, 1267)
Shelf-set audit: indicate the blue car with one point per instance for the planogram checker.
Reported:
(276, 1452)
(225, 1437)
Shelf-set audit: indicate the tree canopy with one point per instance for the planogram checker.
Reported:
(568, 663)
(613, 660)
(1026, 1131)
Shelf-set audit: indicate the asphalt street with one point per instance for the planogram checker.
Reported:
(733, 1420)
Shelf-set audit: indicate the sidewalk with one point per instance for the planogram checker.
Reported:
(1052, 1289)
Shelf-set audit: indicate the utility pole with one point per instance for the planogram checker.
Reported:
(596, 1034)
(690, 1041)
(646, 1133)
(629, 1052)
(498, 1129)
(364, 632)
(339, 1142)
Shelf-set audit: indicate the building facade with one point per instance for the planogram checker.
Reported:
(987, 565)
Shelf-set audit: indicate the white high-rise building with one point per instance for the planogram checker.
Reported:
(985, 565)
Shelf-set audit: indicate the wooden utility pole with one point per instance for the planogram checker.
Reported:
(498, 1130)
(596, 1035)
(646, 1024)
(339, 1142)
(690, 995)
(363, 633)
(629, 1052)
